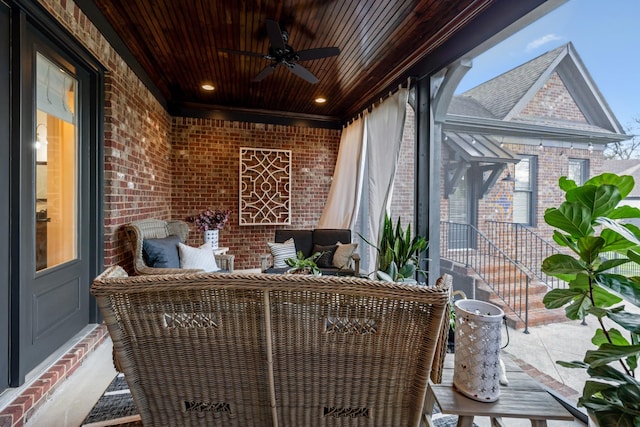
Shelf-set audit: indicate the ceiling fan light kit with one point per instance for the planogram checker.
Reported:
(281, 53)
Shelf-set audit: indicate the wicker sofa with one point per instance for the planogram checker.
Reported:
(137, 231)
(306, 241)
(274, 349)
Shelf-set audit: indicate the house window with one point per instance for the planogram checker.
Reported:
(578, 170)
(524, 191)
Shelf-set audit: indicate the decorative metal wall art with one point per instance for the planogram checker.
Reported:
(265, 186)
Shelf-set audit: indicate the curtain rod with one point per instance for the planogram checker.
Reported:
(367, 110)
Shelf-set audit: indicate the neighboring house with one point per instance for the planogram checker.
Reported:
(507, 141)
(505, 145)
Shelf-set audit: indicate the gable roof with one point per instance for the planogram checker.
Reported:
(501, 94)
(506, 95)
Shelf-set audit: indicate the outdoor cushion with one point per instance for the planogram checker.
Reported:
(201, 258)
(282, 251)
(342, 256)
(326, 259)
(161, 253)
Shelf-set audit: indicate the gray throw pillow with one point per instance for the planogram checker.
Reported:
(161, 253)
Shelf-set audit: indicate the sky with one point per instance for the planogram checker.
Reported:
(606, 35)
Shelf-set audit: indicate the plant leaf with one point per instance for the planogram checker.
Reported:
(611, 263)
(589, 248)
(566, 184)
(574, 364)
(562, 264)
(608, 353)
(624, 183)
(624, 212)
(571, 217)
(579, 308)
(629, 321)
(618, 228)
(616, 337)
(603, 298)
(614, 241)
(600, 199)
(609, 373)
(557, 298)
(629, 288)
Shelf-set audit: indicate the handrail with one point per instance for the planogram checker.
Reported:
(465, 244)
(526, 248)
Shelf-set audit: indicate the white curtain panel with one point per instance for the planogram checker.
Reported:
(341, 208)
(384, 125)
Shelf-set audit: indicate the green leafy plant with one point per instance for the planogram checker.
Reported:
(590, 223)
(302, 265)
(397, 252)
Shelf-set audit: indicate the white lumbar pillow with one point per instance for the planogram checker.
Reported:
(199, 258)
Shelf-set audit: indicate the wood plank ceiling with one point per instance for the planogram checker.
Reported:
(182, 44)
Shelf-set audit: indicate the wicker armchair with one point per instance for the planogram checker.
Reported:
(269, 349)
(137, 231)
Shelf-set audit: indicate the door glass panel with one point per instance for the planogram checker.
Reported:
(56, 165)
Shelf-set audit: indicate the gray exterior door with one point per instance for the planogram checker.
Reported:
(4, 196)
(55, 184)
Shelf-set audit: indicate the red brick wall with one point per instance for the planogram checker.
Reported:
(206, 174)
(553, 101)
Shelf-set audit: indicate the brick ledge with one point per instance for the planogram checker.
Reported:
(18, 411)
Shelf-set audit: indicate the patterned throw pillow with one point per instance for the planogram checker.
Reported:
(200, 258)
(326, 259)
(282, 251)
(342, 257)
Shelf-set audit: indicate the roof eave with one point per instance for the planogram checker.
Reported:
(499, 127)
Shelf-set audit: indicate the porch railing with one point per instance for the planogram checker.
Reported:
(465, 244)
(525, 247)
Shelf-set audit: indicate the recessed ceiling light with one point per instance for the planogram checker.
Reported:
(208, 87)
(321, 100)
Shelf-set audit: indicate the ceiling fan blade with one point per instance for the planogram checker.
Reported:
(264, 73)
(242, 52)
(318, 53)
(275, 34)
(302, 72)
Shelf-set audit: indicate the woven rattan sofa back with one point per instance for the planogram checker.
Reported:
(273, 350)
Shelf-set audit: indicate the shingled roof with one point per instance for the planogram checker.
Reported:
(500, 94)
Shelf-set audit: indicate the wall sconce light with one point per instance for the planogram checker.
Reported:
(590, 148)
(508, 178)
(541, 147)
(41, 138)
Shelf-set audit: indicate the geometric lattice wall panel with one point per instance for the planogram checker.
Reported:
(265, 186)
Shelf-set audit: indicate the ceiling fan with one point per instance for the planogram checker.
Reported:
(281, 53)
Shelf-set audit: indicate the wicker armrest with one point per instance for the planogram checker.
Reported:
(225, 262)
(264, 262)
(356, 264)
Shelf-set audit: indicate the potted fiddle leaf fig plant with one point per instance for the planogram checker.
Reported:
(398, 252)
(591, 223)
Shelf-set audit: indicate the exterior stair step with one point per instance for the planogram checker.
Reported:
(538, 314)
